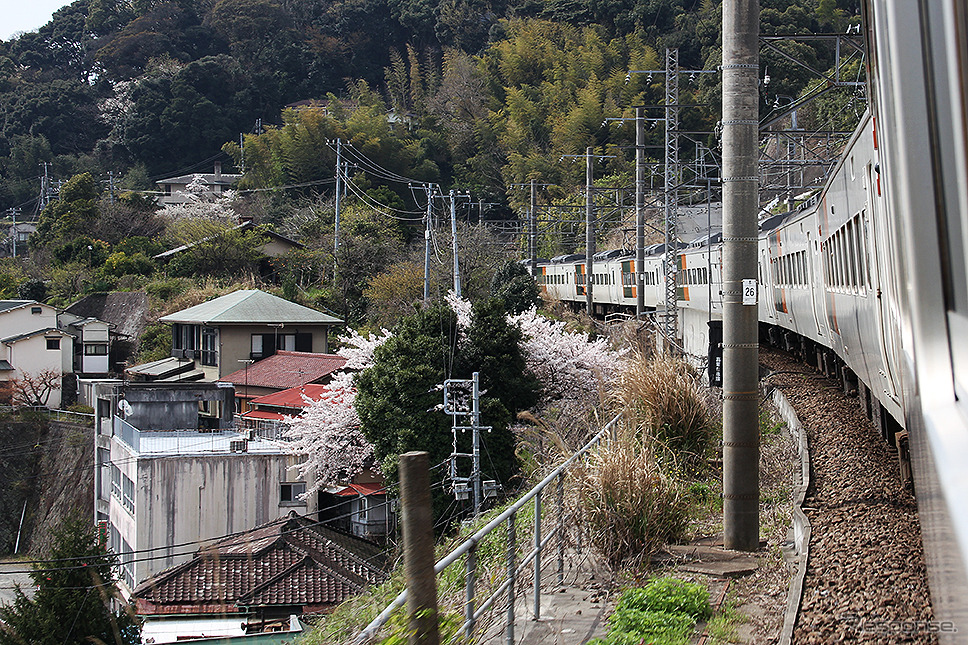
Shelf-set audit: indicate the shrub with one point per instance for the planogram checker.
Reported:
(631, 507)
(661, 397)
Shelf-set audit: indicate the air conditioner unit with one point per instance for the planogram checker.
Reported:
(240, 445)
(189, 354)
(178, 353)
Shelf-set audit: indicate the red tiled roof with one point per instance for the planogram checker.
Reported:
(352, 490)
(284, 370)
(264, 414)
(291, 561)
(293, 397)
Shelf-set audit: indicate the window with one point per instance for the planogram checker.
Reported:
(290, 493)
(53, 343)
(115, 481)
(256, 345)
(364, 507)
(95, 349)
(209, 346)
(127, 497)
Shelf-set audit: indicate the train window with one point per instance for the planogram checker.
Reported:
(851, 254)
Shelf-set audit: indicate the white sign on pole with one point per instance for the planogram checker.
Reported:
(749, 292)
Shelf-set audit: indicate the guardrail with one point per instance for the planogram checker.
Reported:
(514, 569)
(53, 413)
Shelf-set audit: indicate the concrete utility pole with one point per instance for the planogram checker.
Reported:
(741, 441)
(639, 212)
(418, 548)
(430, 214)
(453, 231)
(339, 162)
(533, 228)
(589, 230)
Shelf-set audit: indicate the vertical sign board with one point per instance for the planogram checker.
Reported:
(715, 355)
(749, 292)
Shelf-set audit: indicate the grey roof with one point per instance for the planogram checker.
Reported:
(37, 332)
(208, 178)
(244, 226)
(7, 305)
(5, 366)
(250, 307)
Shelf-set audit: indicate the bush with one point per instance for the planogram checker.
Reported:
(630, 505)
(660, 396)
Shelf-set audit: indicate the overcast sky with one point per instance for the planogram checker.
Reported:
(27, 15)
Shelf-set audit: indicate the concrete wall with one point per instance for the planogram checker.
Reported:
(235, 342)
(181, 499)
(174, 406)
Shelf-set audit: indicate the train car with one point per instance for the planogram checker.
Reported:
(870, 280)
(919, 98)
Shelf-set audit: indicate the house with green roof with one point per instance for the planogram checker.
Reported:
(224, 335)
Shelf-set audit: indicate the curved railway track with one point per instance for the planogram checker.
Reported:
(866, 576)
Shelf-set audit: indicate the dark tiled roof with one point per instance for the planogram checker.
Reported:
(291, 561)
(284, 370)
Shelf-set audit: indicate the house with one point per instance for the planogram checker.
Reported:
(237, 585)
(273, 245)
(188, 188)
(224, 335)
(16, 238)
(171, 469)
(284, 370)
(41, 344)
(361, 507)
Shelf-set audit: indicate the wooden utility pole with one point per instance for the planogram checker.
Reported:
(418, 548)
(741, 441)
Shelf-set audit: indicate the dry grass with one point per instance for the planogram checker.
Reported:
(660, 396)
(627, 503)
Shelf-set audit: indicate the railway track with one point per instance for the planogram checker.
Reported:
(866, 577)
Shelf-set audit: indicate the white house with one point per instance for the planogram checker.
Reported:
(33, 347)
(170, 471)
(188, 188)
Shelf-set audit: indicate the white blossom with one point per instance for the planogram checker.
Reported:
(328, 430)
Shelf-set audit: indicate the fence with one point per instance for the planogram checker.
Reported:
(68, 416)
(507, 587)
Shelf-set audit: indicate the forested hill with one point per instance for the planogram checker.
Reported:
(494, 90)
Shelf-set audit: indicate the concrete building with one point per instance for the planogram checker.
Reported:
(188, 188)
(170, 471)
(224, 334)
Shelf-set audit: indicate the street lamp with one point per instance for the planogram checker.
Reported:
(245, 393)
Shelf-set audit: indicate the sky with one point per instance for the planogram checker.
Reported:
(27, 15)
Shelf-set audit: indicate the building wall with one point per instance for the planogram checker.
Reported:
(21, 321)
(31, 355)
(235, 343)
(95, 333)
(185, 498)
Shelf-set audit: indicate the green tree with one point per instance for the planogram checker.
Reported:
(74, 595)
(71, 215)
(398, 397)
(514, 285)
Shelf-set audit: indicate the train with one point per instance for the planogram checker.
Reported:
(868, 279)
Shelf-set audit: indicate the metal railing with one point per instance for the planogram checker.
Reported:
(507, 587)
(86, 418)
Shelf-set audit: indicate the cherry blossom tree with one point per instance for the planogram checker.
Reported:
(328, 432)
